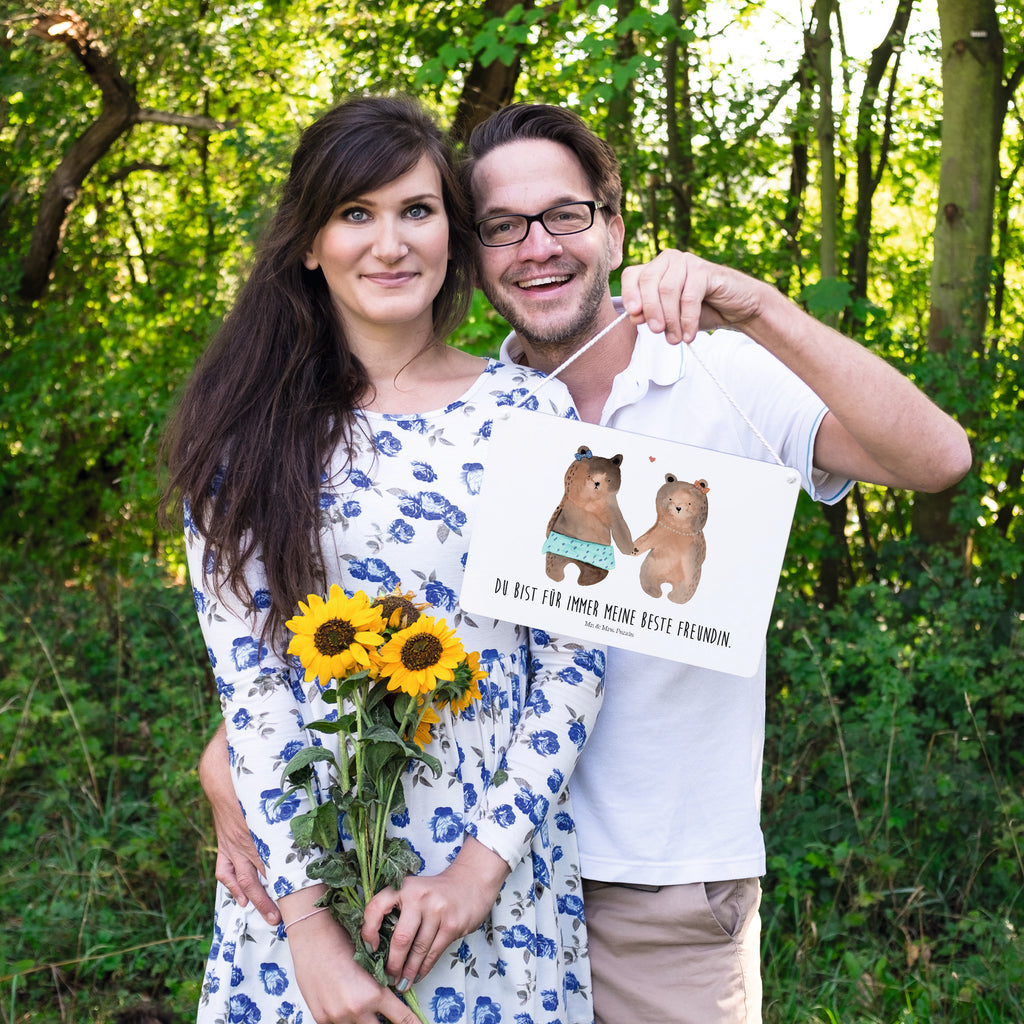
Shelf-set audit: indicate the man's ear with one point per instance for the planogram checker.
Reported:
(616, 236)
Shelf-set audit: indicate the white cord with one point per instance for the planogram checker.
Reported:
(692, 351)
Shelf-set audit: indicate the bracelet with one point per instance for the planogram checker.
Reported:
(312, 913)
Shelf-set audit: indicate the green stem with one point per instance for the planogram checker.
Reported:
(414, 1004)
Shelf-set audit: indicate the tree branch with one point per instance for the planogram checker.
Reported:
(119, 112)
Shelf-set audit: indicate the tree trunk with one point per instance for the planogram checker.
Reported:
(487, 89)
(679, 132)
(973, 105)
(117, 115)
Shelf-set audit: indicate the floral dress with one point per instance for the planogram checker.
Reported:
(403, 515)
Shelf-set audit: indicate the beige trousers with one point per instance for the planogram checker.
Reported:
(675, 954)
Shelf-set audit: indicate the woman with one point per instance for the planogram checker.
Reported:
(329, 435)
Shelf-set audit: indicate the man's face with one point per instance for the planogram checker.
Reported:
(552, 289)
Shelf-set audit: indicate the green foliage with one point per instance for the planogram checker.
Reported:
(893, 780)
(107, 866)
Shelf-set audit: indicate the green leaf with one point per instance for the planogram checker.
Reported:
(299, 769)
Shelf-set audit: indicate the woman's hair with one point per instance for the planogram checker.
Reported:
(274, 394)
(521, 121)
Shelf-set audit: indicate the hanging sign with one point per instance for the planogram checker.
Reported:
(629, 541)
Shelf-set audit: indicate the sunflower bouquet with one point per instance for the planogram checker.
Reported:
(390, 669)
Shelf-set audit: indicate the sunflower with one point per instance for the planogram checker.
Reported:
(332, 636)
(399, 609)
(423, 734)
(417, 657)
(472, 692)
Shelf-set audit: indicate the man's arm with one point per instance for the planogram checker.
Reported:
(880, 428)
(238, 864)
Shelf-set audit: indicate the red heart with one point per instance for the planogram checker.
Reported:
(651, 457)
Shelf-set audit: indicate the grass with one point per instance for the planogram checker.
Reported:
(893, 810)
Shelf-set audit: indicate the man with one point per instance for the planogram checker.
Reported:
(667, 792)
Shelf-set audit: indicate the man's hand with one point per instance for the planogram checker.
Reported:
(435, 910)
(238, 864)
(678, 293)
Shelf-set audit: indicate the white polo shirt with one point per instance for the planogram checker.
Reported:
(668, 789)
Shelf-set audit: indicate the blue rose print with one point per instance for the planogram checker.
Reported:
(590, 660)
(578, 734)
(446, 825)
(533, 805)
(242, 1010)
(549, 999)
(487, 1011)
(374, 570)
(274, 978)
(401, 531)
(448, 1005)
(440, 596)
(473, 476)
(357, 478)
(237, 977)
(569, 903)
(199, 598)
(518, 937)
(555, 780)
(541, 875)
(351, 508)
(415, 425)
(505, 816)
(241, 718)
(290, 749)
(564, 822)
(282, 887)
(246, 652)
(424, 472)
(387, 444)
(546, 947)
(538, 701)
(327, 501)
(545, 742)
(573, 676)
(541, 638)
(273, 811)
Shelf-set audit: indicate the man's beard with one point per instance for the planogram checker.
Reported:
(569, 335)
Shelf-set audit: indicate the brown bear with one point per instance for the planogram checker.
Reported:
(587, 519)
(676, 540)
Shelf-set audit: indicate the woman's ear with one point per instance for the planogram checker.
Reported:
(309, 261)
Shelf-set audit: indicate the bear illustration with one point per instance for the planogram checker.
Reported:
(675, 543)
(587, 519)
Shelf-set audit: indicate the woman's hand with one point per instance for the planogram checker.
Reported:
(336, 989)
(435, 910)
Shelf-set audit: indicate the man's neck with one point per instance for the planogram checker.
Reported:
(588, 378)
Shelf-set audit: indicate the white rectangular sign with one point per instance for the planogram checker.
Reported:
(629, 541)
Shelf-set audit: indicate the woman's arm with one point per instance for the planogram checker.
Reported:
(564, 697)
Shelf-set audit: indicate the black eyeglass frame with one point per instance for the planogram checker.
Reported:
(591, 204)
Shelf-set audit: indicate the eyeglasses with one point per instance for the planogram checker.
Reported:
(564, 219)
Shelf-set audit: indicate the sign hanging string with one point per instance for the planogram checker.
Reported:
(690, 349)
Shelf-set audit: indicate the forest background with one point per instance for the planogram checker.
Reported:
(866, 158)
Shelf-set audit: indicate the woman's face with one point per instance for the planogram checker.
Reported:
(385, 254)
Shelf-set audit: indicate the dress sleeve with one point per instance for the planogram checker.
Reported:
(263, 706)
(565, 690)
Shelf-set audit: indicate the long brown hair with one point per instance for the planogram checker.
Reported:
(274, 394)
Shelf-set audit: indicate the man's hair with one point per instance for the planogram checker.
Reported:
(521, 121)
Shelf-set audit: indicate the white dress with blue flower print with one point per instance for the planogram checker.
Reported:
(403, 515)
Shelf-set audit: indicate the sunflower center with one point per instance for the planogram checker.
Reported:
(334, 636)
(421, 651)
